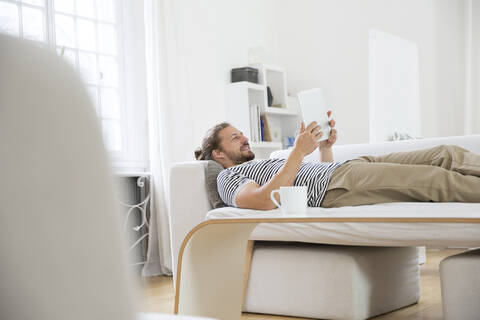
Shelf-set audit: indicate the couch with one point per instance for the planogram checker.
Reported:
(189, 206)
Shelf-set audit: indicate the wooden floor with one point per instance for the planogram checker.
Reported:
(158, 295)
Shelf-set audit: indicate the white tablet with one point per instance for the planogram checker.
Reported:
(313, 107)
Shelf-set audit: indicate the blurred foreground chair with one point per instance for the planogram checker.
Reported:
(63, 256)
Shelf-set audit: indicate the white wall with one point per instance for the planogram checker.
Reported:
(472, 117)
(325, 44)
(449, 72)
(322, 43)
(476, 64)
(213, 36)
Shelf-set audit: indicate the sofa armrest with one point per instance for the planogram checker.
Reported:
(188, 204)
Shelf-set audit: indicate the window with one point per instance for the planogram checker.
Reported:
(87, 34)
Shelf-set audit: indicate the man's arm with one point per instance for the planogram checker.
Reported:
(325, 147)
(326, 154)
(253, 196)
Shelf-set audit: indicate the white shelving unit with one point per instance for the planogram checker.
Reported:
(266, 145)
(283, 122)
(280, 111)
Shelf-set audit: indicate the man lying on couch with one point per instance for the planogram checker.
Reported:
(440, 174)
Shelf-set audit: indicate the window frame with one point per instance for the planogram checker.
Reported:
(130, 156)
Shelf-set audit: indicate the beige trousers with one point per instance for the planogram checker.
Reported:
(441, 174)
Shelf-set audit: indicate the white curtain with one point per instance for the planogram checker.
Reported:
(160, 46)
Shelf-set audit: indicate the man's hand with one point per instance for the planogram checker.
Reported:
(307, 140)
(326, 144)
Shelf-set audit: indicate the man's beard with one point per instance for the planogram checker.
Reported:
(239, 158)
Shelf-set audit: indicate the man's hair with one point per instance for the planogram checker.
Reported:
(210, 142)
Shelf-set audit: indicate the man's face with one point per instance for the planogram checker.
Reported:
(235, 145)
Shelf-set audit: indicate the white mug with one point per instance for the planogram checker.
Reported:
(293, 199)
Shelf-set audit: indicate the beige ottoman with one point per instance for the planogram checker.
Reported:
(460, 278)
(331, 282)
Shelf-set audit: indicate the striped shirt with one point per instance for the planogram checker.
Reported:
(314, 175)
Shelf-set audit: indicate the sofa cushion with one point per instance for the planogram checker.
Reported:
(212, 170)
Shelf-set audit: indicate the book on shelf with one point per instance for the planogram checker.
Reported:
(259, 125)
(261, 129)
(266, 134)
(255, 125)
